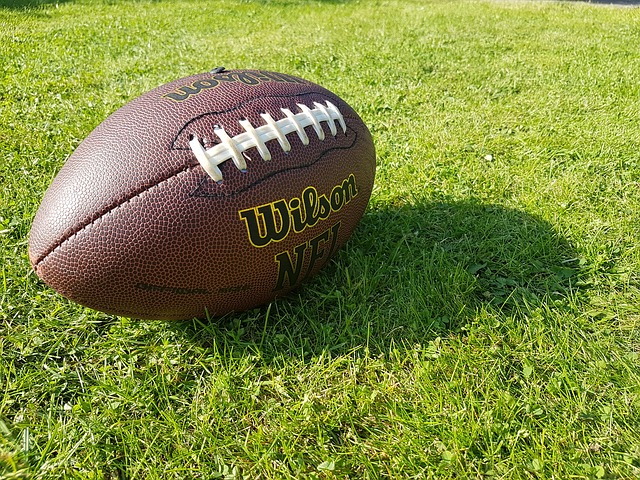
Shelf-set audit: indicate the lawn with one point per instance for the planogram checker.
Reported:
(482, 322)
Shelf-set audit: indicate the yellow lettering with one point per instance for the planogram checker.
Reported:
(272, 222)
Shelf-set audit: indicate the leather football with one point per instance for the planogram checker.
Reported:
(214, 193)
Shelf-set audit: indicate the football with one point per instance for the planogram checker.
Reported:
(211, 194)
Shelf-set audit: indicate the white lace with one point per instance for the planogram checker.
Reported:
(233, 148)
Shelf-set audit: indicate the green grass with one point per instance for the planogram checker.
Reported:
(484, 320)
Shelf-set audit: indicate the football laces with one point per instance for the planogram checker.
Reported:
(233, 148)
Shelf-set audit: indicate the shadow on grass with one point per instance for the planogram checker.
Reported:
(408, 276)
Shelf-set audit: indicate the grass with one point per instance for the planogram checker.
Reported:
(484, 320)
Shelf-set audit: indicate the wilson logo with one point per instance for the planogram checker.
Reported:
(247, 78)
(272, 222)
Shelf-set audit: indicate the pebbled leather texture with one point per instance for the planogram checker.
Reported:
(132, 225)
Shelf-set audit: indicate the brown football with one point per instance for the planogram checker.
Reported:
(211, 194)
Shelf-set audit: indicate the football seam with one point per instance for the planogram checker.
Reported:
(175, 174)
(108, 210)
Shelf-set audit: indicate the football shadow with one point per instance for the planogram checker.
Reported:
(407, 276)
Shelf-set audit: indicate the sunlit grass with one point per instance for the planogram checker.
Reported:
(482, 322)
